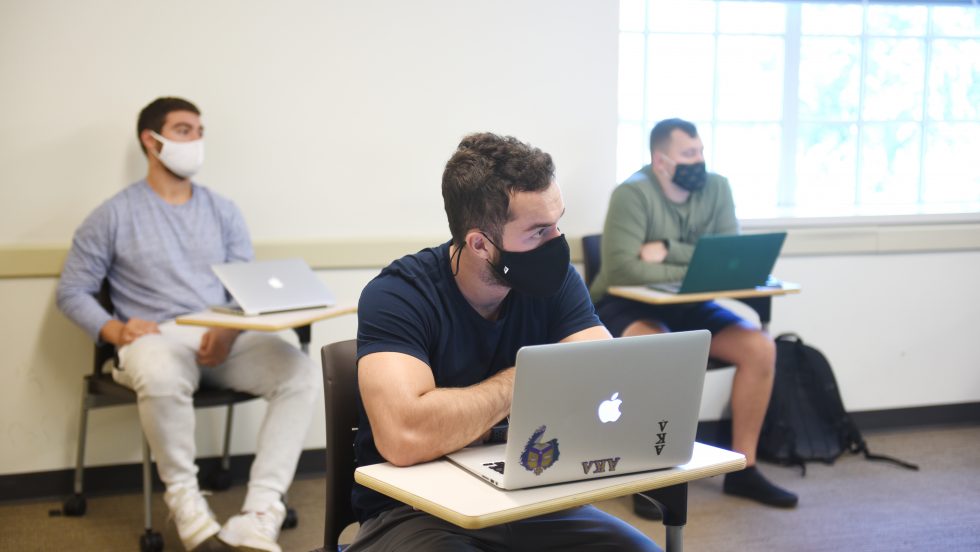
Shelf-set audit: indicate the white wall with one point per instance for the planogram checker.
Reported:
(323, 118)
(332, 120)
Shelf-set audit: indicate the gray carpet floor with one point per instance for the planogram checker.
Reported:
(853, 505)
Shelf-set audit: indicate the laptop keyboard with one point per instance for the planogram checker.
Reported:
(669, 287)
(496, 466)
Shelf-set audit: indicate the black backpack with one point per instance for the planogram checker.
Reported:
(806, 420)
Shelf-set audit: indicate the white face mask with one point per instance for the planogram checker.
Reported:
(182, 158)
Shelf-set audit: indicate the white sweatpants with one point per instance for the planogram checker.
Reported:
(164, 373)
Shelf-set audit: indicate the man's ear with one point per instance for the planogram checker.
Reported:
(478, 243)
(656, 158)
(148, 141)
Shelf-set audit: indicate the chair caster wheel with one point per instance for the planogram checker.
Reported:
(291, 520)
(219, 480)
(74, 506)
(151, 541)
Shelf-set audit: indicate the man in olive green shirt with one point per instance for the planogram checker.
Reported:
(655, 217)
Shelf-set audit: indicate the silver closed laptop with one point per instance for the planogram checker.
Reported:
(262, 287)
(596, 409)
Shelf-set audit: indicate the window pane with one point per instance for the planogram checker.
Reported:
(707, 136)
(955, 21)
(833, 19)
(750, 72)
(825, 165)
(632, 151)
(856, 107)
(951, 171)
(631, 76)
(897, 20)
(830, 78)
(680, 77)
(954, 80)
(747, 154)
(631, 15)
(890, 164)
(893, 83)
(682, 15)
(751, 17)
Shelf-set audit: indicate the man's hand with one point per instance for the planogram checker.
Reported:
(215, 346)
(120, 334)
(653, 252)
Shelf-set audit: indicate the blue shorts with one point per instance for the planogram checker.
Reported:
(617, 314)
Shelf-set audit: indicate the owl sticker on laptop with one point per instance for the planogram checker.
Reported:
(539, 456)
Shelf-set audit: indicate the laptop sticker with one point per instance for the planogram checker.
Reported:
(601, 465)
(661, 437)
(539, 456)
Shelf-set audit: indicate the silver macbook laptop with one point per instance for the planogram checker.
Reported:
(262, 287)
(596, 409)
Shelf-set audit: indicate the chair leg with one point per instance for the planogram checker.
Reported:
(292, 518)
(220, 479)
(147, 486)
(150, 540)
(226, 450)
(75, 505)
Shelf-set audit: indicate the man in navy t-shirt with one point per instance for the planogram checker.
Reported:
(438, 336)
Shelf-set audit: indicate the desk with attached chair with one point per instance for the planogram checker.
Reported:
(99, 390)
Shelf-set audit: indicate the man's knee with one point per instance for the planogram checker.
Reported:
(299, 373)
(291, 370)
(748, 348)
(155, 366)
(644, 327)
(762, 351)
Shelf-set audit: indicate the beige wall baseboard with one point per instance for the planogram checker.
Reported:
(45, 261)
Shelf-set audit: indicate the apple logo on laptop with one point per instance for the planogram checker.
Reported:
(609, 409)
(275, 283)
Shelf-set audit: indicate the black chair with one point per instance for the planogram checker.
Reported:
(340, 398)
(100, 390)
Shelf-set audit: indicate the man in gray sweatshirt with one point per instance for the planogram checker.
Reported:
(154, 242)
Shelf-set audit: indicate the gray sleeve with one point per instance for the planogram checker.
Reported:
(238, 243)
(86, 266)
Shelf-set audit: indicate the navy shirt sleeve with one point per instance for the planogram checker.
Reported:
(390, 319)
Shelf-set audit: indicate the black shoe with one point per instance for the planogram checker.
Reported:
(751, 484)
(643, 507)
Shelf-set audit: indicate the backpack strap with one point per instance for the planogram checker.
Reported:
(863, 448)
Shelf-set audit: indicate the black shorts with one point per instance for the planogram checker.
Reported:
(617, 313)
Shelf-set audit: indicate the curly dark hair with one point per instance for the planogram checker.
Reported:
(481, 176)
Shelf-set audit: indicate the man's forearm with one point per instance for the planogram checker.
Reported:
(444, 420)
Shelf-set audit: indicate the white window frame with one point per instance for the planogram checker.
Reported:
(784, 215)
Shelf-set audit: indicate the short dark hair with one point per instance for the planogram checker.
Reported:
(155, 114)
(660, 135)
(480, 177)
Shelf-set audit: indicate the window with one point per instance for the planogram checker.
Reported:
(811, 108)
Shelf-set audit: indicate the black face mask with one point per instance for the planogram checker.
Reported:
(539, 272)
(691, 177)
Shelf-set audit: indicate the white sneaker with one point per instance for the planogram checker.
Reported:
(192, 515)
(255, 530)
